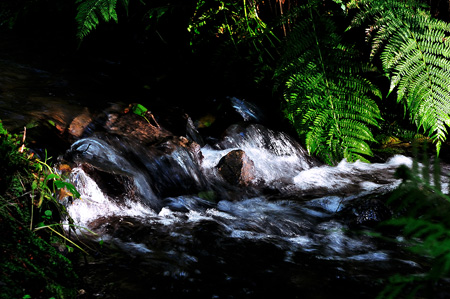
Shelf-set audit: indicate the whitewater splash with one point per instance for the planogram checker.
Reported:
(295, 219)
(94, 204)
(303, 187)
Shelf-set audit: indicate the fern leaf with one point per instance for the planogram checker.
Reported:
(329, 103)
(414, 53)
(89, 12)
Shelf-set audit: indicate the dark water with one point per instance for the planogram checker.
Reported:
(171, 227)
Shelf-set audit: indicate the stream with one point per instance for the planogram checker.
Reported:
(167, 225)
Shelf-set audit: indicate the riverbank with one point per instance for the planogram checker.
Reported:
(35, 260)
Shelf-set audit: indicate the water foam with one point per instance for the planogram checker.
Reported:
(94, 204)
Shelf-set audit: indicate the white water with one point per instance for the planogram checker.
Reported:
(94, 204)
(294, 225)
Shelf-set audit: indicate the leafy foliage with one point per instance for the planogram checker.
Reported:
(327, 99)
(414, 51)
(12, 11)
(90, 11)
(29, 264)
(238, 20)
(240, 33)
(423, 212)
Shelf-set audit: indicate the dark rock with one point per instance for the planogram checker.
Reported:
(117, 186)
(192, 133)
(174, 167)
(366, 212)
(171, 143)
(237, 168)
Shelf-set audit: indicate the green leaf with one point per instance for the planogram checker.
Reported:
(70, 187)
(139, 109)
(157, 12)
(52, 176)
(90, 11)
(3, 131)
(34, 185)
(40, 224)
(73, 190)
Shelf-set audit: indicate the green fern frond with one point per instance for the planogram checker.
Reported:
(415, 54)
(329, 103)
(90, 11)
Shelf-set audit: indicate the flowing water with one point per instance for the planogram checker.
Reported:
(286, 238)
(171, 227)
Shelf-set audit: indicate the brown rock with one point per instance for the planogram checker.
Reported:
(237, 168)
(80, 123)
(135, 127)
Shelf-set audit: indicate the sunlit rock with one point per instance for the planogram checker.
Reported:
(136, 127)
(237, 168)
(79, 124)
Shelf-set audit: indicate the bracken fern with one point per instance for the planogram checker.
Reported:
(414, 51)
(329, 102)
(89, 12)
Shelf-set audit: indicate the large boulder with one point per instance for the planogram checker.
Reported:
(237, 168)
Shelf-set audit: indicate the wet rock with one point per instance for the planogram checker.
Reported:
(46, 140)
(117, 186)
(80, 123)
(237, 168)
(124, 167)
(135, 127)
(174, 168)
(192, 132)
(172, 143)
(366, 212)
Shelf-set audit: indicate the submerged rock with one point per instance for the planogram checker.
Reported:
(366, 212)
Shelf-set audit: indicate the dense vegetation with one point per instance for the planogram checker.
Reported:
(333, 68)
(345, 74)
(33, 263)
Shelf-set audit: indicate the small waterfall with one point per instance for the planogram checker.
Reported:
(173, 228)
(94, 204)
(276, 155)
(103, 155)
(176, 182)
(177, 215)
